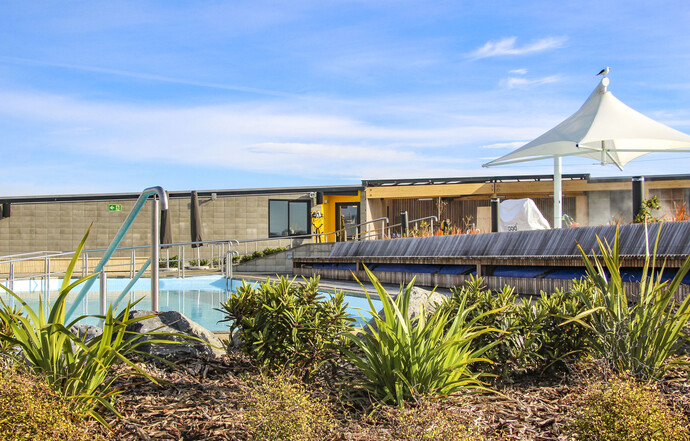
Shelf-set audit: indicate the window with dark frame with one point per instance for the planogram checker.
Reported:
(288, 218)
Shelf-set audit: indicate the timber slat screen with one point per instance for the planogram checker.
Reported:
(674, 242)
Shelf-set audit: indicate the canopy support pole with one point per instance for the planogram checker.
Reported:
(557, 193)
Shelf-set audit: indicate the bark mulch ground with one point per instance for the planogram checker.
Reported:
(203, 400)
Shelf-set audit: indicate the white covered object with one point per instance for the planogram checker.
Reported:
(520, 214)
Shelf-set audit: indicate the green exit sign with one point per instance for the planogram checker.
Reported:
(114, 207)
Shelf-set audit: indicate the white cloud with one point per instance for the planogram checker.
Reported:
(146, 76)
(504, 145)
(518, 71)
(248, 137)
(507, 46)
(368, 138)
(515, 82)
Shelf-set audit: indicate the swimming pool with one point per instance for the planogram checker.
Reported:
(195, 297)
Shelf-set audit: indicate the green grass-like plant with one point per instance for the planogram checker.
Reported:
(281, 408)
(77, 369)
(403, 358)
(284, 323)
(638, 338)
(625, 410)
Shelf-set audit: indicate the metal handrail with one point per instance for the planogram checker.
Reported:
(433, 218)
(304, 236)
(35, 254)
(228, 242)
(155, 245)
(39, 255)
(85, 253)
(109, 251)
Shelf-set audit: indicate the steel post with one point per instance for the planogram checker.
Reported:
(102, 293)
(557, 193)
(155, 250)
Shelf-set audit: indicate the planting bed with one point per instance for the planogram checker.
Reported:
(205, 400)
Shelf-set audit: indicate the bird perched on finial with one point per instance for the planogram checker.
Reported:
(604, 71)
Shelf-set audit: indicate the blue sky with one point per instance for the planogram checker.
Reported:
(117, 96)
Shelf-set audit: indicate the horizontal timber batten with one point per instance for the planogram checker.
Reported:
(629, 261)
(550, 249)
(522, 285)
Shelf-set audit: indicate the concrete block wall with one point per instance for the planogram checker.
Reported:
(281, 263)
(60, 226)
(314, 250)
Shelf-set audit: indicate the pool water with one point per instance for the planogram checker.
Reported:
(198, 298)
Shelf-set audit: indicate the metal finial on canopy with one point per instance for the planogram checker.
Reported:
(603, 86)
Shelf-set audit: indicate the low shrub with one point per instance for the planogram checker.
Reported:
(281, 408)
(284, 323)
(649, 206)
(558, 341)
(428, 421)
(172, 262)
(403, 358)
(29, 409)
(624, 410)
(533, 333)
(257, 254)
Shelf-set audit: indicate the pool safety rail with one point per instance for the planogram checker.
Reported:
(159, 202)
(159, 194)
(44, 265)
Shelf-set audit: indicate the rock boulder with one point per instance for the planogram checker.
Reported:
(86, 332)
(175, 322)
(418, 297)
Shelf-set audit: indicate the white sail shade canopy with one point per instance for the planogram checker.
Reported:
(604, 129)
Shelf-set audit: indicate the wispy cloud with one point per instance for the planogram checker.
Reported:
(504, 145)
(518, 71)
(147, 76)
(260, 137)
(507, 46)
(515, 82)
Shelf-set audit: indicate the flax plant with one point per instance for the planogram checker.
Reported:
(637, 338)
(77, 369)
(403, 357)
